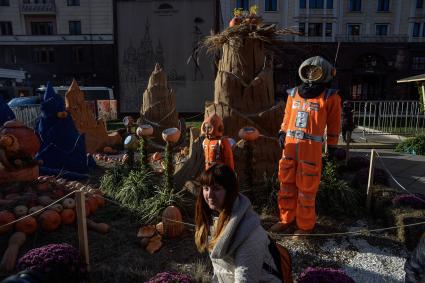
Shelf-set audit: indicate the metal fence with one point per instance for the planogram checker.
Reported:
(27, 114)
(389, 117)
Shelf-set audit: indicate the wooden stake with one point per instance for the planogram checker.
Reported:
(370, 180)
(82, 227)
(347, 147)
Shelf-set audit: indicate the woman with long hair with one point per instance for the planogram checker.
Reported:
(229, 229)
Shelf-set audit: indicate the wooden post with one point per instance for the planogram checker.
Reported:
(347, 147)
(370, 180)
(82, 226)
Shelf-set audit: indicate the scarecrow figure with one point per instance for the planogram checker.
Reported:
(217, 148)
(311, 108)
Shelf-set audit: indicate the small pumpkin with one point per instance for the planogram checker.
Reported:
(45, 200)
(156, 156)
(35, 209)
(44, 187)
(68, 216)
(57, 193)
(20, 210)
(5, 218)
(27, 225)
(100, 200)
(57, 207)
(171, 219)
(93, 204)
(50, 220)
(68, 203)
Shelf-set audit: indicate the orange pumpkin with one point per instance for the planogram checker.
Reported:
(29, 143)
(171, 221)
(92, 204)
(68, 216)
(6, 217)
(100, 200)
(50, 220)
(27, 225)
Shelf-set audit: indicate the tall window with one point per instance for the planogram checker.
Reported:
(419, 4)
(44, 55)
(6, 28)
(315, 4)
(383, 5)
(418, 63)
(74, 27)
(355, 5)
(73, 2)
(4, 3)
(329, 4)
(270, 5)
(244, 4)
(303, 4)
(315, 29)
(381, 29)
(41, 28)
(77, 54)
(353, 29)
(328, 29)
(416, 28)
(301, 28)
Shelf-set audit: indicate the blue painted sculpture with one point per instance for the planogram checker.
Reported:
(6, 113)
(62, 147)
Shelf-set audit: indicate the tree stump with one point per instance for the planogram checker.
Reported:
(94, 130)
(159, 105)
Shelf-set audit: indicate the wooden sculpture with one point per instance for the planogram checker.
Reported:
(95, 130)
(159, 104)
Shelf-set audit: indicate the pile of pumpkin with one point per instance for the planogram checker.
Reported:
(19, 201)
(170, 227)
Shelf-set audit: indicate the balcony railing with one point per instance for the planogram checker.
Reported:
(57, 39)
(38, 8)
(371, 38)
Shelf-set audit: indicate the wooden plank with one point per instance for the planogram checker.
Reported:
(82, 227)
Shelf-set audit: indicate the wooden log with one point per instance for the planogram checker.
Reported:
(82, 227)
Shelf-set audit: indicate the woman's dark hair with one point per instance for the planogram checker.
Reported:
(224, 176)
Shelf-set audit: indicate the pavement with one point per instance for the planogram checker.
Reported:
(362, 140)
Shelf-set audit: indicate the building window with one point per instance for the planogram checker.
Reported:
(6, 28)
(353, 29)
(329, 4)
(74, 27)
(381, 29)
(301, 28)
(73, 2)
(44, 55)
(9, 56)
(315, 4)
(244, 4)
(328, 29)
(355, 5)
(303, 4)
(41, 28)
(270, 5)
(383, 5)
(4, 3)
(418, 63)
(77, 55)
(419, 4)
(416, 28)
(315, 29)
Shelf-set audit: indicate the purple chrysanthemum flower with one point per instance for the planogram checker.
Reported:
(324, 275)
(170, 277)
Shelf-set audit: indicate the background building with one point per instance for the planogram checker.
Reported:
(57, 41)
(380, 41)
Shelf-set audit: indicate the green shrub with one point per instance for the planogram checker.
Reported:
(415, 145)
(335, 195)
(112, 181)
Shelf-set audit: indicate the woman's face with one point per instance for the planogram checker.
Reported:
(214, 196)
